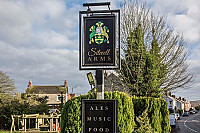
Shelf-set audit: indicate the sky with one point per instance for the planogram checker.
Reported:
(39, 40)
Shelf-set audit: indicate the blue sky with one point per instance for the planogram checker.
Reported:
(39, 40)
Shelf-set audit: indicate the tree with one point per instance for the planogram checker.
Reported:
(133, 63)
(154, 57)
(22, 104)
(7, 89)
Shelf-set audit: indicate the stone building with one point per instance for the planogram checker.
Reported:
(54, 93)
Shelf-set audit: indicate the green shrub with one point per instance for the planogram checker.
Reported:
(165, 117)
(126, 114)
(157, 112)
(128, 109)
(71, 114)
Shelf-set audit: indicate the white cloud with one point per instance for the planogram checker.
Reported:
(39, 39)
(183, 15)
(15, 28)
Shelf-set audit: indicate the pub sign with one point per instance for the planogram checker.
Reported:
(99, 116)
(98, 44)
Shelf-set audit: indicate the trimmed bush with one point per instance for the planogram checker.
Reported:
(157, 112)
(128, 109)
(71, 114)
(126, 123)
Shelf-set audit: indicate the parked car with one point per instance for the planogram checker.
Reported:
(195, 111)
(185, 114)
(175, 115)
(178, 115)
(192, 112)
(172, 120)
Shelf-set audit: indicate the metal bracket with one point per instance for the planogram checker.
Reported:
(96, 4)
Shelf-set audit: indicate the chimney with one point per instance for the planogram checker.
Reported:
(65, 83)
(179, 98)
(29, 83)
(173, 96)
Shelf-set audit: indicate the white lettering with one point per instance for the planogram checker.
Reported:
(95, 52)
(109, 119)
(96, 108)
(106, 130)
(94, 118)
(106, 107)
(100, 129)
(89, 118)
(95, 129)
(91, 108)
(99, 119)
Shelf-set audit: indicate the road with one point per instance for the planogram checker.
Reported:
(189, 124)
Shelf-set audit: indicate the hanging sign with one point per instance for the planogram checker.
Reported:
(99, 116)
(99, 42)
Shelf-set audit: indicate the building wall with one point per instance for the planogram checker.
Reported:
(171, 102)
(187, 106)
(180, 105)
(53, 98)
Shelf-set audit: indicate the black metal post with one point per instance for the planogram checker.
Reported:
(100, 83)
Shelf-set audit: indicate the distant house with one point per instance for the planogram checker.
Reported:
(113, 83)
(176, 104)
(171, 101)
(187, 105)
(180, 104)
(195, 103)
(53, 92)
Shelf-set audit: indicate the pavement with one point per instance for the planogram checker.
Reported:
(190, 124)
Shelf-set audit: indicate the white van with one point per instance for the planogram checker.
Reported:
(172, 120)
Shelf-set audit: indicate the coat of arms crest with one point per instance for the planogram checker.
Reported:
(99, 33)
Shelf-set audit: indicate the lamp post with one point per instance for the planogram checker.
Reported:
(91, 79)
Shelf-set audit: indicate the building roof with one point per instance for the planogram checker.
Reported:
(113, 83)
(40, 89)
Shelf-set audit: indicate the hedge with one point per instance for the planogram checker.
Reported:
(71, 114)
(157, 112)
(128, 109)
(126, 123)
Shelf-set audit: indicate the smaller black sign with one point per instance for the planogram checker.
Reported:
(99, 116)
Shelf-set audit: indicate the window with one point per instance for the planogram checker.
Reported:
(58, 98)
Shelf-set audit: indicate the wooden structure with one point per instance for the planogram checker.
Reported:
(50, 123)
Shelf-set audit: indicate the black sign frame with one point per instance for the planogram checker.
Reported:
(99, 107)
(110, 48)
(115, 57)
